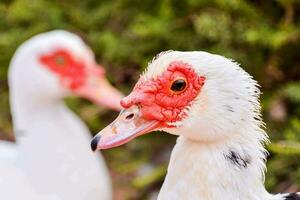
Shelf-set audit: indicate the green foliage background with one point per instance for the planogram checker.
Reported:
(264, 36)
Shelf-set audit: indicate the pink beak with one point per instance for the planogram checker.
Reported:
(128, 125)
(98, 90)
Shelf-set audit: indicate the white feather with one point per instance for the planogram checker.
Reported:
(224, 117)
(52, 158)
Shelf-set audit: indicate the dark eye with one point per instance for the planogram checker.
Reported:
(178, 85)
(60, 60)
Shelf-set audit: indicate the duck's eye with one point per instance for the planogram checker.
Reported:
(60, 60)
(178, 85)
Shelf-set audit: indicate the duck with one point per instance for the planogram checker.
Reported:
(213, 106)
(50, 157)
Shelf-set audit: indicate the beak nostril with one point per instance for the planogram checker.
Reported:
(130, 116)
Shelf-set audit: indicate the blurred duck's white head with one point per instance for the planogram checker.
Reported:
(198, 95)
(52, 65)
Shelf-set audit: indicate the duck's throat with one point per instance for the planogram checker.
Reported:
(211, 172)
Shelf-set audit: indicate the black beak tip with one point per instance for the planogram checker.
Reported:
(94, 142)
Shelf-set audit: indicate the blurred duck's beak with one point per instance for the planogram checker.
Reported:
(128, 125)
(98, 90)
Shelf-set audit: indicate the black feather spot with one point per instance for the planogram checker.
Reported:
(238, 160)
(293, 196)
(229, 108)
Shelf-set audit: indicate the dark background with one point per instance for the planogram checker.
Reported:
(264, 36)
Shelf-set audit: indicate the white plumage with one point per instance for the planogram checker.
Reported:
(220, 151)
(51, 159)
(225, 117)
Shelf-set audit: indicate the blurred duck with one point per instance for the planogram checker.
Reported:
(212, 105)
(51, 157)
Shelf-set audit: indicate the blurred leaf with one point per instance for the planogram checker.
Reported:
(155, 175)
(285, 147)
(292, 91)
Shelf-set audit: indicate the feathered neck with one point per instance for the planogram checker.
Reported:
(26, 108)
(228, 169)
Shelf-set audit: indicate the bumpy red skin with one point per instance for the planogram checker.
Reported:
(72, 72)
(158, 102)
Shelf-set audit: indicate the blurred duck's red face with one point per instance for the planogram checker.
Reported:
(153, 104)
(82, 80)
(72, 72)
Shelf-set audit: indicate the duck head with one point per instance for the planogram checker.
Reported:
(197, 95)
(55, 64)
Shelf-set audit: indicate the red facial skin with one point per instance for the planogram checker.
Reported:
(157, 100)
(71, 71)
